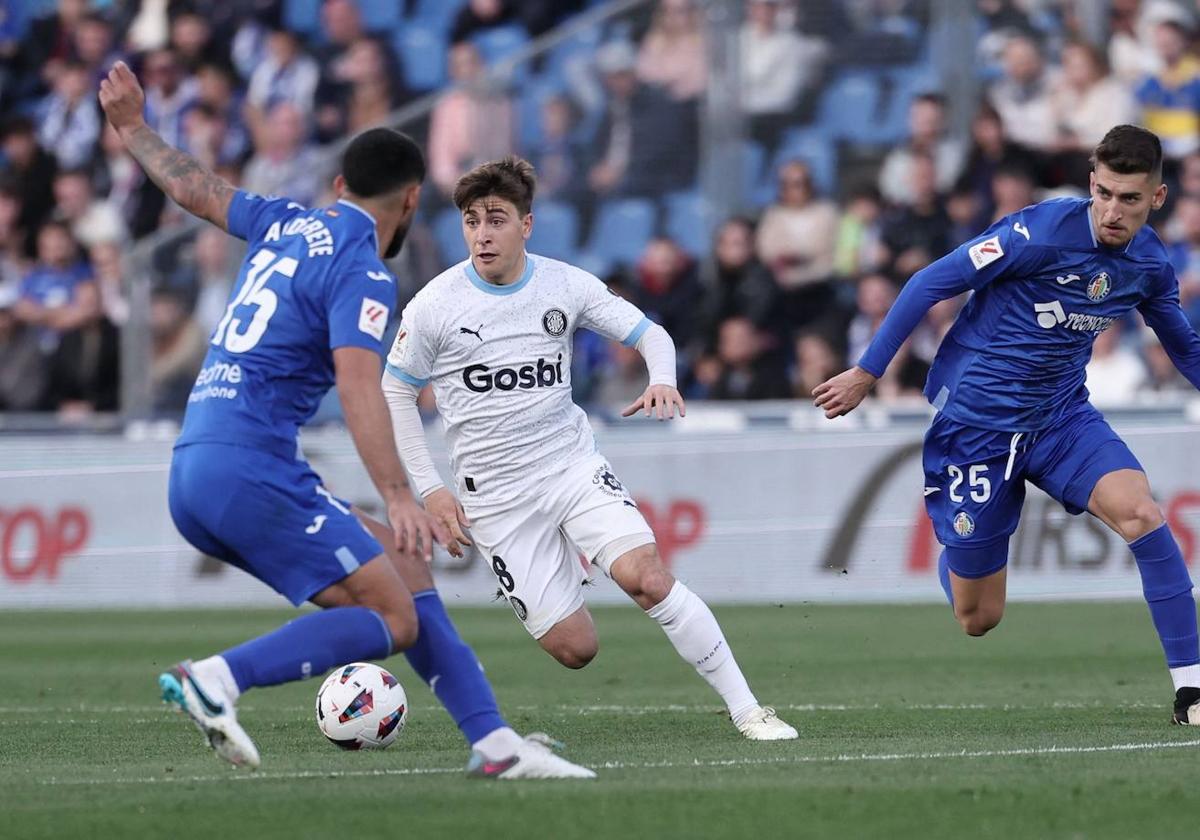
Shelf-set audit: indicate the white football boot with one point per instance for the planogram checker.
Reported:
(1187, 707)
(764, 725)
(534, 759)
(212, 712)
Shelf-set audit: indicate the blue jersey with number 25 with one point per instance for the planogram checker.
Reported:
(312, 281)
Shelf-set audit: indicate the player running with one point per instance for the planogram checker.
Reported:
(1008, 386)
(309, 309)
(493, 335)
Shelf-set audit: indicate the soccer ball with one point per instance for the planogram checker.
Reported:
(361, 706)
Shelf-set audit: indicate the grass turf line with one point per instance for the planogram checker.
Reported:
(1054, 725)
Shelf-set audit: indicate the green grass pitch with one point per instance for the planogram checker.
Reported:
(1056, 725)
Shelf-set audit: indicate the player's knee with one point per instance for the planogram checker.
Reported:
(646, 579)
(978, 621)
(1140, 518)
(577, 654)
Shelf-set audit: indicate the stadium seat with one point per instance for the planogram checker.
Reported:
(422, 52)
(688, 222)
(303, 16)
(621, 231)
(555, 230)
(533, 94)
(754, 158)
(814, 148)
(379, 15)
(447, 233)
(500, 43)
(577, 48)
(904, 84)
(849, 109)
(438, 14)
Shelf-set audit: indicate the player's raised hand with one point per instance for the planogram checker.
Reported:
(660, 400)
(842, 394)
(449, 513)
(122, 98)
(414, 528)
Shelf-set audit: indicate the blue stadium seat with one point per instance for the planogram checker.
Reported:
(303, 16)
(422, 53)
(622, 229)
(577, 48)
(754, 158)
(555, 230)
(439, 14)
(906, 83)
(380, 15)
(688, 222)
(849, 108)
(532, 96)
(497, 44)
(447, 233)
(814, 148)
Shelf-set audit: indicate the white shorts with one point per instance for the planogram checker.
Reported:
(539, 550)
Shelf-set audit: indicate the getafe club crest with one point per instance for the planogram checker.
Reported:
(964, 525)
(1099, 286)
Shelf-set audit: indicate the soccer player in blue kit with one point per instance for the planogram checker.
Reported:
(1008, 386)
(309, 310)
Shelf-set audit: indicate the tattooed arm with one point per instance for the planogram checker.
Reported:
(177, 173)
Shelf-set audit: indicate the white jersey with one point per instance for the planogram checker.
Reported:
(499, 360)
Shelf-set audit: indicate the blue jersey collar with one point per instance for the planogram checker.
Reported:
(366, 215)
(491, 288)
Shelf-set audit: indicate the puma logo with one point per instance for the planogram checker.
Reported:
(465, 331)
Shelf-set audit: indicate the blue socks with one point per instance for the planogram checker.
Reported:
(449, 666)
(944, 577)
(1168, 591)
(311, 644)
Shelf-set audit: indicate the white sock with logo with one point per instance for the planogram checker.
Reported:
(215, 670)
(693, 630)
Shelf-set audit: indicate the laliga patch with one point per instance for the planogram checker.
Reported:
(964, 525)
(1099, 287)
(373, 318)
(985, 252)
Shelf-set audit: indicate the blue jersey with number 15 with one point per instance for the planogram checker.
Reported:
(312, 281)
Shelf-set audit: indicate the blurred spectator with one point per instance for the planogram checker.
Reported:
(926, 135)
(914, 235)
(178, 351)
(139, 201)
(1087, 102)
(22, 370)
(84, 371)
(479, 15)
(471, 124)
(668, 289)
(108, 270)
(284, 164)
(193, 43)
(777, 66)
(1115, 372)
(875, 296)
(883, 32)
(816, 362)
(287, 74)
(70, 123)
(91, 220)
(746, 367)
(623, 379)
(797, 239)
(540, 16)
(928, 335)
(48, 45)
(990, 151)
(672, 54)
(169, 93)
(58, 295)
(1161, 374)
(215, 266)
(1131, 47)
(559, 158)
(12, 239)
(1170, 99)
(1184, 250)
(1012, 190)
(95, 46)
(1189, 175)
(1022, 95)
(374, 64)
(374, 88)
(738, 284)
(216, 89)
(858, 233)
(30, 170)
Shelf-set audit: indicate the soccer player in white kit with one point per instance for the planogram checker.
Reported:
(493, 337)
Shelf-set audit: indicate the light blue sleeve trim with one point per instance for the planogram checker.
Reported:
(406, 377)
(637, 332)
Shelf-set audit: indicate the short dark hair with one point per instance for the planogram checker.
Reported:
(381, 160)
(1130, 149)
(511, 178)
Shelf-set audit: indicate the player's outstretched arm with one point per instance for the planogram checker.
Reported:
(357, 371)
(178, 174)
(661, 397)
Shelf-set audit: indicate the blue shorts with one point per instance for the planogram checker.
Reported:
(267, 515)
(975, 480)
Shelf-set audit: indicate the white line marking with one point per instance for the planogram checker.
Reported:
(654, 765)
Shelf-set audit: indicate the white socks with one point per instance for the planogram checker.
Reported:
(1186, 676)
(216, 670)
(693, 630)
(498, 745)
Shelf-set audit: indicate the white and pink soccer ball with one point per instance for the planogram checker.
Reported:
(361, 706)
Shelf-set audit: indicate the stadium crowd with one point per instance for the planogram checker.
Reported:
(854, 178)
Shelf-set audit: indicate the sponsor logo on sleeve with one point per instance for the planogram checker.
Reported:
(986, 252)
(373, 318)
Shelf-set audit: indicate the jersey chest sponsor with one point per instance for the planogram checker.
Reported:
(542, 373)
